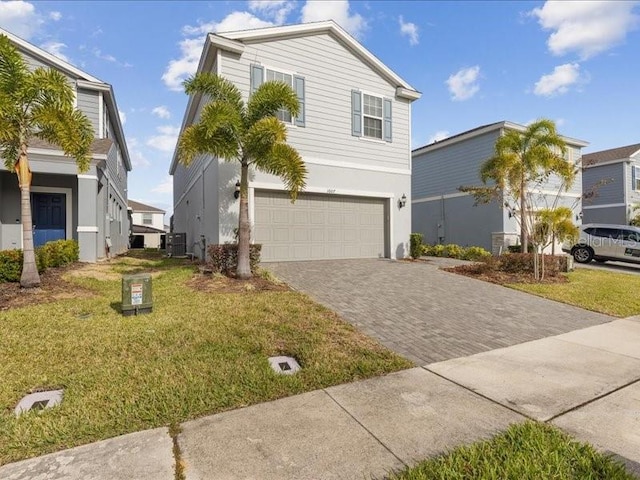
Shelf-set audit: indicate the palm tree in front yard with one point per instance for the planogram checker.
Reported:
(248, 133)
(36, 103)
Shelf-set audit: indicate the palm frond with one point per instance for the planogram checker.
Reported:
(269, 98)
(217, 88)
(285, 162)
(220, 116)
(51, 87)
(13, 68)
(262, 135)
(195, 141)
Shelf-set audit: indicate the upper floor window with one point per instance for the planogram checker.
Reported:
(260, 74)
(370, 116)
(635, 171)
(147, 219)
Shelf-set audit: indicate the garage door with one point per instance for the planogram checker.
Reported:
(318, 226)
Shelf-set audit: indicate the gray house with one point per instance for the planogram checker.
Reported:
(353, 133)
(611, 183)
(90, 207)
(444, 214)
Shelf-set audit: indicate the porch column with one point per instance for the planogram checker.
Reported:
(87, 206)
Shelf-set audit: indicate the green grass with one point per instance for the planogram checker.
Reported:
(196, 354)
(527, 451)
(605, 292)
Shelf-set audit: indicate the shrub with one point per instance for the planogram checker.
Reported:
(523, 263)
(455, 251)
(475, 254)
(415, 245)
(223, 258)
(10, 265)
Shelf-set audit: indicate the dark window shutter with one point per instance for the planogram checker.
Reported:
(356, 113)
(298, 87)
(634, 176)
(257, 74)
(386, 102)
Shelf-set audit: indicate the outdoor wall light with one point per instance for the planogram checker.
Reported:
(579, 216)
(236, 192)
(402, 201)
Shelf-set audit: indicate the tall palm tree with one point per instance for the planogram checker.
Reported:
(248, 133)
(523, 160)
(36, 103)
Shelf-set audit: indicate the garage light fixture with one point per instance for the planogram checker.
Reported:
(402, 201)
(236, 192)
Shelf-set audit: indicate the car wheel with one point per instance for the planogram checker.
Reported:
(582, 254)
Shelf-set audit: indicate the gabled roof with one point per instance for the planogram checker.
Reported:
(83, 79)
(610, 155)
(145, 229)
(474, 132)
(141, 207)
(235, 42)
(100, 146)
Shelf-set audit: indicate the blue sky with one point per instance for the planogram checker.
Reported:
(475, 62)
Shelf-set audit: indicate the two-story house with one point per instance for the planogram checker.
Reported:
(90, 207)
(353, 134)
(611, 185)
(147, 225)
(444, 214)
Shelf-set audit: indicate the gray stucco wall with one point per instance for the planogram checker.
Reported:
(606, 182)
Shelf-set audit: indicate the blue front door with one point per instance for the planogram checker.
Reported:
(49, 217)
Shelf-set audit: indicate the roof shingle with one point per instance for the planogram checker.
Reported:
(609, 155)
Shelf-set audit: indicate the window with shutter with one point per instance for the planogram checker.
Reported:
(371, 116)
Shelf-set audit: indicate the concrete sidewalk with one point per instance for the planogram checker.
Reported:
(586, 382)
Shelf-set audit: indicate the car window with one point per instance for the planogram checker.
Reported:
(630, 236)
(590, 231)
(607, 232)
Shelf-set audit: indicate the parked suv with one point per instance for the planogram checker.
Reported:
(602, 242)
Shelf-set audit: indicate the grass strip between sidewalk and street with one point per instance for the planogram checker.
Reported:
(526, 451)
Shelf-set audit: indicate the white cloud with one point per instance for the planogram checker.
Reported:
(123, 116)
(20, 18)
(161, 112)
(276, 10)
(138, 158)
(166, 140)
(439, 135)
(410, 30)
(55, 16)
(55, 48)
(559, 81)
(586, 27)
(191, 48)
(463, 84)
(164, 187)
(337, 10)
(103, 56)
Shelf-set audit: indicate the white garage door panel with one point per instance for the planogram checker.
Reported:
(318, 226)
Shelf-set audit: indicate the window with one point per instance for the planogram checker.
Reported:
(147, 219)
(630, 236)
(636, 177)
(613, 233)
(273, 76)
(370, 116)
(259, 74)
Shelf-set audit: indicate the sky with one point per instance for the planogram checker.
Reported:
(477, 62)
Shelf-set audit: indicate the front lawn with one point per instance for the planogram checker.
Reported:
(199, 352)
(527, 451)
(601, 291)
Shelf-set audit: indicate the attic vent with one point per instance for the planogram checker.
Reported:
(39, 401)
(284, 365)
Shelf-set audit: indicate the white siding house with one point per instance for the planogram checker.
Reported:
(147, 225)
(353, 133)
(444, 214)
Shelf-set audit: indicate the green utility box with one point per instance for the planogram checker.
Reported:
(136, 294)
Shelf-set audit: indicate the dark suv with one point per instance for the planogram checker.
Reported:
(602, 242)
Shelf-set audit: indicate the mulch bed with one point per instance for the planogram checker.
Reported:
(502, 278)
(52, 287)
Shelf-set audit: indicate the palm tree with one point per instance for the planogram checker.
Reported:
(554, 223)
(36, 103)
(523, 160)
(248, 133)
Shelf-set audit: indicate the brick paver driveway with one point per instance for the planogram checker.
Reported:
(429, 315)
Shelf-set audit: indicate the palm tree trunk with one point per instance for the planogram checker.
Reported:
(243, 270)
(30, 277)
(524, 238)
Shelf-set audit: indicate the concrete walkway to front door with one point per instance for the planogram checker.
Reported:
(429, 315)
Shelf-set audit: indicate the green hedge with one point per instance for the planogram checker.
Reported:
(415, 245)
(223, 258)
(50, 255)
(456, 251)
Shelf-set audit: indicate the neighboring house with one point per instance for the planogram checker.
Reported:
(147, 227)
(353, 133)
(444, 214)
(90, 207)
(611, 185)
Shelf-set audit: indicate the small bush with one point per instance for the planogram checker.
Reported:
(10, 265)
(415, 245)
(455, 251)
(518, 248)
(475, 254)
(523, 263)
(223, 258)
